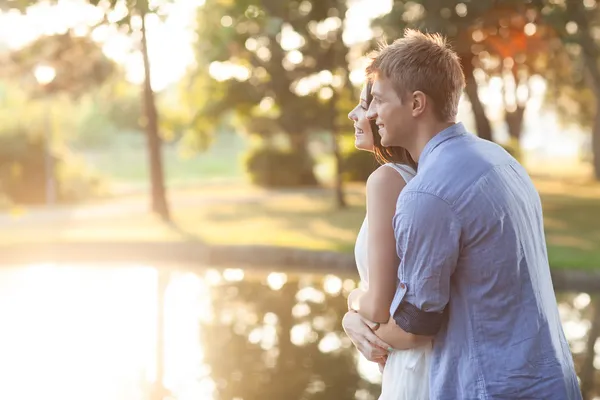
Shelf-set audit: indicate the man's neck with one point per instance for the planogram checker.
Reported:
(424, 135)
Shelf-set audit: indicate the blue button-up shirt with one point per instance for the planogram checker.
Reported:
(474, 272)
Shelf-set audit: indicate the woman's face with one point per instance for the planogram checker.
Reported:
(363, 135)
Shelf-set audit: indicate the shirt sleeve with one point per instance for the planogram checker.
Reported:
(428, 243)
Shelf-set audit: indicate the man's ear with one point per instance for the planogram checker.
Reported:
(419, 103)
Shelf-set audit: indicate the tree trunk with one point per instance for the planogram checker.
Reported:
(482, 123)
(306, 175)
(157, 191)
(339, 183)
(591, 53)
(596, 141)
(588, 371)
(514, 122)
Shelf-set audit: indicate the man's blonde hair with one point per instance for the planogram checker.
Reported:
(424, 62)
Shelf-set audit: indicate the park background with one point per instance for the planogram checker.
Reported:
(180, 194)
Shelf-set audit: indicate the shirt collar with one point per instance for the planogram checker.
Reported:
(453, 131)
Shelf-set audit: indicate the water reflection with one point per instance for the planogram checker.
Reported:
(90, 333)
(282, 341)
(75, 334)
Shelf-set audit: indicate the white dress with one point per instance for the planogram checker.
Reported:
(406, 372)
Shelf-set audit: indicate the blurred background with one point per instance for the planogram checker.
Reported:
(180, 194)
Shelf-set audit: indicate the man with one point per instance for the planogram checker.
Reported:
(474, 271)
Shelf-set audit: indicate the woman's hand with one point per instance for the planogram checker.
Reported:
(360, 332)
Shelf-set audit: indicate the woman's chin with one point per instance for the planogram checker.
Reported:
(360, 144)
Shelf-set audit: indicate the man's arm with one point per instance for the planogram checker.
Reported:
(398, 339)
(428, 237)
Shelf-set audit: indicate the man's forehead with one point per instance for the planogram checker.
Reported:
(378, 86)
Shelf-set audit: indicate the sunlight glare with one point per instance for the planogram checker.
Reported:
(301, 310)
(212, 277)
(332, 285)
(63, 332)
(349, 285)
(276, 280)
(184, 354)
(290, 39)
(530, 29)
(310, 294)
(575, 330)
(330, 342)
(233, 274)
(302, 333)
(44, 74)
(582, 301)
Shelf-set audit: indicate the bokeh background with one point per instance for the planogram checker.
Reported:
(180, 194)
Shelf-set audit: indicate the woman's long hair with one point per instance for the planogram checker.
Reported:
(383, 155)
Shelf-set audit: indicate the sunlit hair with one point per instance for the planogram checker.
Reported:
(383, 155)
(422, 62)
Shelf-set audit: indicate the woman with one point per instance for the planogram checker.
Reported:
(405, 372)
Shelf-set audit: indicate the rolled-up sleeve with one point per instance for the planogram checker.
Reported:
(428, 242)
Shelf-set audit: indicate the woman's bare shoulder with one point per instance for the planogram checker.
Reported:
(385, 178)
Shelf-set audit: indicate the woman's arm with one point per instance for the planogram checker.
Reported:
(398, 339)
(383, 188)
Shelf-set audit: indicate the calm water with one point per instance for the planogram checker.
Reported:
(89, 333)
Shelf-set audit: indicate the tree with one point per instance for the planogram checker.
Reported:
(575, 22)
(137, 10)
(78, 62)
(278, 66)
(492, 39)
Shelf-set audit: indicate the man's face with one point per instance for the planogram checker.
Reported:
(392, 115)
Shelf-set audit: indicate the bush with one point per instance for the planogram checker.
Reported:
(358, 165)
(77, 183)
(271, 167)
(23, 173)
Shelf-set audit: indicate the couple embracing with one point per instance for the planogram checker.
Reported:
(456, 299)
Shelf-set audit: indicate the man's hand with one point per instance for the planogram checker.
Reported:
(360, 332)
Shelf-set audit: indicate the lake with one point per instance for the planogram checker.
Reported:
(90, 332)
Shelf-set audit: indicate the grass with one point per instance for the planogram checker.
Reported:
(572, 222)
(572, 217)
(126, 164)
(308, 219)
(293, 220)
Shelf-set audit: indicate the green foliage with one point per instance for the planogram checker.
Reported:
(502, 40)
(271, 167)
(181, 118)
(77, 182)
(572, 79)
(568, 93)
(274, 64)
(358, 165)
(78, 61)
(248, 37)
(23, 172)
(113, 110)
